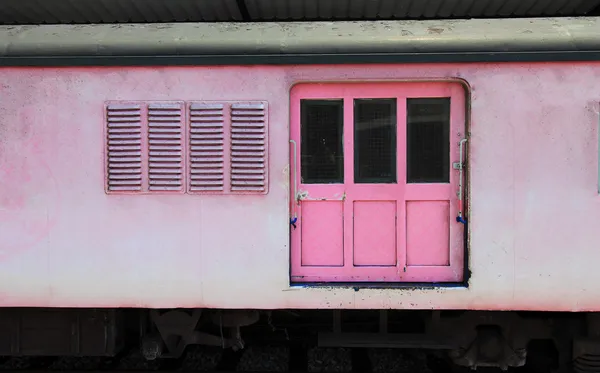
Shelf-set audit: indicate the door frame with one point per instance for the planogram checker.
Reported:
(455, 272)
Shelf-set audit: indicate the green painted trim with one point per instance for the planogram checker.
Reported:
(297, 59)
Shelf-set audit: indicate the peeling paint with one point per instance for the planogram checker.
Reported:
(285, 178)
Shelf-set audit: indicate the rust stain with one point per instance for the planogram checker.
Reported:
(435, 30)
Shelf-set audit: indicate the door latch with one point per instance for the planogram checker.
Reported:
(460, 167)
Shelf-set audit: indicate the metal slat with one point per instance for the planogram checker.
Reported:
(116, 11)
(279, 10)
(128, 11)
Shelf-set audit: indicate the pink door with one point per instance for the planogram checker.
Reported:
(374, 190)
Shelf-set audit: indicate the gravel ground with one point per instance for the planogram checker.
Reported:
(265, 359)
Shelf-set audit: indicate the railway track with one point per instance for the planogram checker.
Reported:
(262, 358)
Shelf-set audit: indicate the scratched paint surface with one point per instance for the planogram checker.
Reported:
(534, 203)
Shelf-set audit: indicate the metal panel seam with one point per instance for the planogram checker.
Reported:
(298, 59)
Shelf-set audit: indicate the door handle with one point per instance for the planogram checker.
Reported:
(294, 217)
(460, 166)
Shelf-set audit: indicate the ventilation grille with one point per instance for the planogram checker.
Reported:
(248, 147)
(124, 148)
(187, 147)
(206, 147)
(165, 147)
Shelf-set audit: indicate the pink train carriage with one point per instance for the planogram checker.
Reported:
(444, 170)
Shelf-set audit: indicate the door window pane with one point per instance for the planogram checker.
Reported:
(321, 148)
(375, 141)
(428, 140)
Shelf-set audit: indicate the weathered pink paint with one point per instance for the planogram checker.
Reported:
(533, 209)
(375, 233)
(427, 233)
(30, 199)
(324, 243)
(378, 250)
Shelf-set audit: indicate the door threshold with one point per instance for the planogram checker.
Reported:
(381, 285)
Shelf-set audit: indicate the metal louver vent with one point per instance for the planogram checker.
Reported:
(248, 147)
(206, 146)
(124, 148)
(165, 147)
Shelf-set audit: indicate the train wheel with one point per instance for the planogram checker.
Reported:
(542, 357)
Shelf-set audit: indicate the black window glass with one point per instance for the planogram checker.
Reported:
(321, 148)
(428, 140)
(375, 141)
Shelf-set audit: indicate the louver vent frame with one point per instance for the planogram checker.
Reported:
(166, 142)
(124, 166)
(249, 147)
(207, 142)
(186, 147)
(145, 147)
(228, 147)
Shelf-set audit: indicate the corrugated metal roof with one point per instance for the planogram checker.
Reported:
(412, 9)
(117, 11)
(132, 11)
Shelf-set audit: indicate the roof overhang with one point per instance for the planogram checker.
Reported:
(541, 39)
